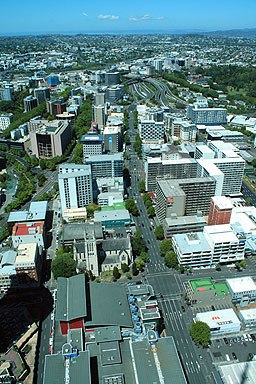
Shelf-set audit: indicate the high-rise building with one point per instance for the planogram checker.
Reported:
(49, 138)
(92, 144)
(204, 152)
(99, 115)
(157, 169)
(109, 165)
(112, 139)
(184, 130)
(115, 93)
(112, 78)
(5, 120)
(6, 93)
(53, 80)
(151, 130)
(42, 94)
(57, 106)
(207, 116)
(100, 98)
(220, 210)
(75, 186)
(30, 102)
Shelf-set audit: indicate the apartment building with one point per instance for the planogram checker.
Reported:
(28, 232)
(75, 186)
(92, 144)
(5, 120)
(151, 130)
(107, 165)
(157, 169)
(207, 116)
(184, 130)
(112, 139)
(42, 94)
(220, 210)
(30, 102)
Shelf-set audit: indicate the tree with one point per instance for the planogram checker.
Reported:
(148, 203)
(218, 267)
(41, 179)
(63, 265)
(125, 268)
(248, 201)
(131, 207)
(151, 211)
(116, 273)
(171, 260)
(243, 264)
(237, 265)
(134, 269)
(137, 235)
(145, 197)
(140, 264)
(182, 269)
(200, 333)
(144, 256)
(159, 232)
(91, 208)
(138, 246)
(142, 186)
(165, 246)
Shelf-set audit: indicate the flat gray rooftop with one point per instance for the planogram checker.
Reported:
(238, 373)
(110, 353)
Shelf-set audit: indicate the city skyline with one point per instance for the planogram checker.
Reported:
(114, 17)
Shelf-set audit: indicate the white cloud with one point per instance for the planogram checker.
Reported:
(84, 14)
(109, 17)
(145, 17)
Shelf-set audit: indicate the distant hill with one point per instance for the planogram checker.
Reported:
(247, 33)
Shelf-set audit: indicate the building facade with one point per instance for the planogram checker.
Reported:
(220, 210)
(109, 165)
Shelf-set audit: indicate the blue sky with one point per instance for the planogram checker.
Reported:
(27, 16)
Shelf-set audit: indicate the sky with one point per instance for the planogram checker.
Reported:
(77, 16)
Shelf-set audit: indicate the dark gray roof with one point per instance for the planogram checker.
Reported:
(71, 298)
(110, 353)
(104, 334)
(78, 231)
(169, 362)
(109, 306)
(116, 244)
(79, 369)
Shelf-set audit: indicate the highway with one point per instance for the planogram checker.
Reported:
(167, 285)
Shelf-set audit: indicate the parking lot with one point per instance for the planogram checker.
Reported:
(233, 349)
(215, 307)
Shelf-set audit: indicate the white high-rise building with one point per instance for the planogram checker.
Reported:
(151, 130)
(75, 186)
(5, 120)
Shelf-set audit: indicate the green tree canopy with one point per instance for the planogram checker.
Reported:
(142, 186)
(171, 260)
(138, 246)
(125, 268)
(151, 211)
(134, 269)
(165, 246)
(116, 273)
(159, 232)
(131, 206)
(200, 333)
(63, 265)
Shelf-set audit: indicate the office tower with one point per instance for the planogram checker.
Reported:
(150, 70)
(111, 78)
(30, 102)
(204, 152)
(207, 116)
(49, 138)
(151, 130)
(92, 144)
(184, 130)
(220, 210)
(99, 115)
(158, 64)
(5, 120)
(53, 80)
(6, 93)
(100, 98)
(184, 197)
(115, 93)
(112, 139)
(57, 106)
(75, 186)
(157, 169)
(156, 114)
(109, 165)
(42, 94)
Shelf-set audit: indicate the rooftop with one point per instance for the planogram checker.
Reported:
(222, 202)
(71, 298)
(26, 229)
(248, 314)
(189, 245)
(221, 233)
(26, 253)
(241, 284)
(121, 214)
(37, 211)
(238, 373)
(216, 318)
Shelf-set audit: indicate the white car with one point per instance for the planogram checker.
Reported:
(249, 337)
(245, 337)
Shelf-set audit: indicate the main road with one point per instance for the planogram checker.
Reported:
(168, 286)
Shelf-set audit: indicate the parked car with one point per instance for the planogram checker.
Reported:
(182, 308)
(250, 356)
(234, 356)
(213, 308)
(225, 340)
(253, 337)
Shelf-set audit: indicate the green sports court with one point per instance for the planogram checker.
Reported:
(207, 284)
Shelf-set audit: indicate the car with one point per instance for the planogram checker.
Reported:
(225, 340)
(142, 224)
(213, 308)
(231, 341)
(235, 340)
(148, 242)
(250, 356)
(150, 228)
(253, 337)
(245, 337)
(238, 339)
(234, 356)
(200, 357)
(182, 308)
(249, 337)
